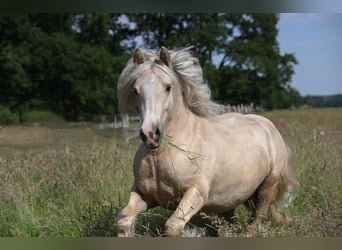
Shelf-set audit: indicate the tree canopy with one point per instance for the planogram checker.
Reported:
(70, 63)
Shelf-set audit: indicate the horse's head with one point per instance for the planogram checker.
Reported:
(154, 90)
(164, 83)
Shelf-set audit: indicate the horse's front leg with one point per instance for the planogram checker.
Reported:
(191, 202)
(126, 218)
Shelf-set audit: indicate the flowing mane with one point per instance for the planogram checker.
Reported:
(185, 68)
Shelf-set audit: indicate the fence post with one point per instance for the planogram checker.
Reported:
(125, 120)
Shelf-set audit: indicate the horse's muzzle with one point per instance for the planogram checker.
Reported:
(151, 139)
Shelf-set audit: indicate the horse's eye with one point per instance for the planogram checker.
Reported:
(135, 91)
(168, 88)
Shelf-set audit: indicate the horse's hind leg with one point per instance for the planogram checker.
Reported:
(126, 218)
(265, 195)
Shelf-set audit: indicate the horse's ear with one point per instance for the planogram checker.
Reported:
(164, 56)
(138, 57)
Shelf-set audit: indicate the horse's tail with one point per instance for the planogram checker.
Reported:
(288, 184)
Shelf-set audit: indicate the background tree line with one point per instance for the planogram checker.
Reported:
(70, 63)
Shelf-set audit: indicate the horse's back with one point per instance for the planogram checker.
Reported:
(248, 133)
(236, 122)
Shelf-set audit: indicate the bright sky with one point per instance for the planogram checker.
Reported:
(316, 41)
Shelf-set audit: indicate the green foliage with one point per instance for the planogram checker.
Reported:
(16, 87)
(7, 117)
(87, 83)
(42, 117)
(324, 101)
(251, 68)
(71, 62)
(44, 57)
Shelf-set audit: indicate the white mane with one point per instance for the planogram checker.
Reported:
(185, 67)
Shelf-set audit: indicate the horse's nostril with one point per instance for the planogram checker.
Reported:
(157, 132)
(142, 135)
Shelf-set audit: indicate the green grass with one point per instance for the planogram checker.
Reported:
(42, 117)
(65, 185)
(317, 209)
(73, 181)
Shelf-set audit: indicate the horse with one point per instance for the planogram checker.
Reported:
(193, 157)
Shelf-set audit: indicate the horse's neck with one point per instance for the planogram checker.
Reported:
(182, 122)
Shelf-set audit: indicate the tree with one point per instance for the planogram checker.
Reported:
(251, 68)
(206, 32)
(70, 63)
(79, 78)
(48, 61)
(16, 88)
(100, 30)
(50, 23)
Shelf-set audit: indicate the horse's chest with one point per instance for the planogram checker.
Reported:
(157, 178)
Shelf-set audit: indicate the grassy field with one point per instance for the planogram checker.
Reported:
(67, 181)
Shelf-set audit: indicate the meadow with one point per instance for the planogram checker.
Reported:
(58, 181)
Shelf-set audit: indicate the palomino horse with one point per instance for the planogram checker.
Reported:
(193, 158)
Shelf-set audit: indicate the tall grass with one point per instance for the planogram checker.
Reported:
(73, 182)
(71, 186)
(316, 139)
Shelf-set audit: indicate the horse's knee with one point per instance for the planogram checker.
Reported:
(174, 227)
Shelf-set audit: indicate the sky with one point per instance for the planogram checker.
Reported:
(316, 41)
